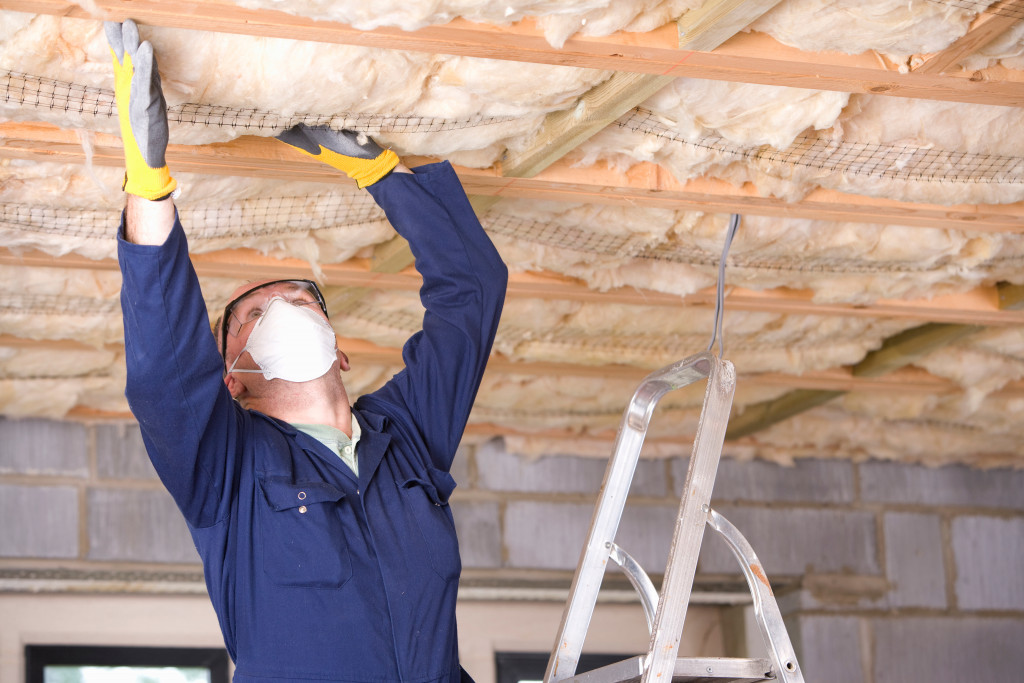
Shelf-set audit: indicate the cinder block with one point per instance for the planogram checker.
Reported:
(140, 526)
(551, 535)
(479, 530)
(47, 447)
(947, 649)
(545, 535)
(120, 453)
(460, 467)
(914, 561)
(828, 648)
(500, 470)
(989, 556)
(795, 541)
(645, 532)
(810, 481)
(39, 521)
(889, 482)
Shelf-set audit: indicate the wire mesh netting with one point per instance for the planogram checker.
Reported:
(899, 162)
(903, 162)
(255, 217)
(267, 217)
(46, 93)
(634, 246)
(24, 303)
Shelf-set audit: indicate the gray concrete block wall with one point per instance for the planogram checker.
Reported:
(43, 447)
(888, 567)
(84, 493)
(47, 521)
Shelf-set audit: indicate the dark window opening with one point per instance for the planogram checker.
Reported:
(95, 664)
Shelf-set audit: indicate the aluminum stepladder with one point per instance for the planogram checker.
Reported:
(666, 613)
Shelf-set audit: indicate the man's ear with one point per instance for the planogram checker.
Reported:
(343, 361)
(234, 385)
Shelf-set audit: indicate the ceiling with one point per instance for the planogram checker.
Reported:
(874, 149)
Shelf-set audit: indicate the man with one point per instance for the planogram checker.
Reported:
(327, 544)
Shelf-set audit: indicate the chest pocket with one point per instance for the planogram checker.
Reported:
(302, 533)
(427, 507)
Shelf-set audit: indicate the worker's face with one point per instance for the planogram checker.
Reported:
(249, 303)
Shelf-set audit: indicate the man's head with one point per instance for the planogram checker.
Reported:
(248, 305)
(249, 302)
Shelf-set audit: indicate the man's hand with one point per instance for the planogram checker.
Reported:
(142, 112)
(362, 160)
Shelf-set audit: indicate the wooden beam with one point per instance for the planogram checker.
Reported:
(644, 184)
(762, 415)
(910, 346)
(992, 23)
(716, 21)
(564, 131)
(749, 57)
(977, 307)
(1011, 297)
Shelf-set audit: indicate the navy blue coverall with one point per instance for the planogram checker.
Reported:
(316, 575)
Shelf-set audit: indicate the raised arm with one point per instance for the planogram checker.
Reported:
(174, 386)
(463, 286)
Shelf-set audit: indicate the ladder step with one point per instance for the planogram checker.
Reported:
(687, 670)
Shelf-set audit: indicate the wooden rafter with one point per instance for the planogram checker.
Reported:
(642, 185)
(992, 23)
(716, 21)
(753, 58)
(976, 307)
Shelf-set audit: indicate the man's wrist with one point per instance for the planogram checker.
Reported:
(148, 221)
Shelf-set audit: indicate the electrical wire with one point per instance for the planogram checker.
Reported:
(717, 333)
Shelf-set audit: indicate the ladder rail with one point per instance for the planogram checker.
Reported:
(694, 505)
(766, 609)
(615, 488)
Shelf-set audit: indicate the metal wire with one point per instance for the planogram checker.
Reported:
(717, 333)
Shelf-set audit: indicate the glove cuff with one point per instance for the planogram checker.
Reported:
(151, 184)
(364, 171)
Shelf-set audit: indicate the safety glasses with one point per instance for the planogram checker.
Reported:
(249, 307)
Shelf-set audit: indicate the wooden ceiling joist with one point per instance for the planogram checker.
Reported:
(976, 307)
(645, 184)
(749, 57)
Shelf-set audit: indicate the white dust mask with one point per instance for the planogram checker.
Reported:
(290, 342)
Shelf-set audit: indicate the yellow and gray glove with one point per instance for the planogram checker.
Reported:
(142, 112)
(365, 162)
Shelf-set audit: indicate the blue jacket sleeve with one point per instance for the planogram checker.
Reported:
(463, 291)
(175, 389)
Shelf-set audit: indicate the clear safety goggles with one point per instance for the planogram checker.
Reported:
(249, 307)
